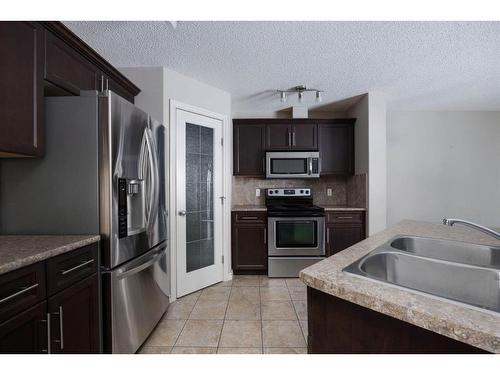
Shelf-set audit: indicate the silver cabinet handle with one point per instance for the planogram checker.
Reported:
(289, 139)
(61, 327)
(293, 139)
(327, 235)
(249, 218)
(48, 351)
(65, 272)
(182, 213)
(265, 235)
(264, 164)
(21, 292)
(344, 217)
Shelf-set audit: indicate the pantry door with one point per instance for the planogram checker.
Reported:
(199, 201)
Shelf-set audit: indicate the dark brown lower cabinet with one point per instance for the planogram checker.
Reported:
(249, 242)
(60, 316)
(343, 229)
(336, 326)
(74, 316)
(25, 333)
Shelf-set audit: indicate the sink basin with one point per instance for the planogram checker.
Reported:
(467, 284)
(453, 251)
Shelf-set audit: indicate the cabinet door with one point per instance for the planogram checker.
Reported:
(336, 149)
(25, 333)
(249, 142)
(66, 68)
(249, 247)
(279, 137)
(305, 136)
(339, 237)
(21, 90)
(74, 314)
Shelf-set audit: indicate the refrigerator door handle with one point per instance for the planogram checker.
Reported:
(155, 178)
(150, 260)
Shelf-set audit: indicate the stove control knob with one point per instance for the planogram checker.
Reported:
(270, 191)
(276, 191)
(307, 191)
(302, 192)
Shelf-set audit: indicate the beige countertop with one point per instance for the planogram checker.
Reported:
(249, 208)
(477, 327)
(327, 208)
(21, 251)
(340, 208)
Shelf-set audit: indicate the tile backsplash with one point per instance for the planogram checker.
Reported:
(342, 187)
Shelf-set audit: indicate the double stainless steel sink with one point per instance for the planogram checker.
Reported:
(459, 271)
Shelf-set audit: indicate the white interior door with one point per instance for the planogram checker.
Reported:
(199, 207)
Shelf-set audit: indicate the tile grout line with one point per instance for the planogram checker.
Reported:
(224, 319)
(261, 319)
(184, 326)
(296, 313)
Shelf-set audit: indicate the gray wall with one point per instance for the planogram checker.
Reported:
(443, 164)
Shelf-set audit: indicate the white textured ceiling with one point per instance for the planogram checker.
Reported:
(420, 65)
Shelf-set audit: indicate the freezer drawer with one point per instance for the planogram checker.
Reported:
(135, 298)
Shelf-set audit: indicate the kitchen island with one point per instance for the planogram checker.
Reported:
(350, 314)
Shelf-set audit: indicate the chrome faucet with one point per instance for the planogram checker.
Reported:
(470, 224)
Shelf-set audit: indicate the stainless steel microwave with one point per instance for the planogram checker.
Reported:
(292, 164)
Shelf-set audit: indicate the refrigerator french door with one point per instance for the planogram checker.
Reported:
(132, 174)
(103, 172)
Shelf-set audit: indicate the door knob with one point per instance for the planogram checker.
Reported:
(182, 213)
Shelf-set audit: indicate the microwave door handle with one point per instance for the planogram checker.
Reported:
(310, 166)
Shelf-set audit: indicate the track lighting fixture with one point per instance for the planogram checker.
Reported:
(299, 90)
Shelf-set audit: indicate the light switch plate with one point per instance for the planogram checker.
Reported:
(257, 192)
(329, 192)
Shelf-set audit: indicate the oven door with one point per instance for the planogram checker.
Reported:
(296, 236)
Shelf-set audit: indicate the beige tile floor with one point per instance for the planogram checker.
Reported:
(249, 315)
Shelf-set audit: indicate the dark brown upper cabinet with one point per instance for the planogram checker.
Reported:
(337, 148)
(249, 143)
(21, 89)
(333, 138)
(45, 58)
(66, 68)
(305, 136)
(282, 137)
(278, 137)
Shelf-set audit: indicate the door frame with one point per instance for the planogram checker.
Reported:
(172, 190)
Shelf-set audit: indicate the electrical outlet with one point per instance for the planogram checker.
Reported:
(257, 192)
(329, 192)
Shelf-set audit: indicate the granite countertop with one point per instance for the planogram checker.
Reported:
(20, 251)
(264, 208)
(476, 327)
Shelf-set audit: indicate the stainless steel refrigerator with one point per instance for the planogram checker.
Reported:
(104, 172)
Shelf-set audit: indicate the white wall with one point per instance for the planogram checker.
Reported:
(370, 155)
(151, 97)
(443, 164)
(190, 91)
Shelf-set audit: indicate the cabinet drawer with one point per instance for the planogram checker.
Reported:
(21, 289)
(242, 217)
(66, 269)
(345, 217)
